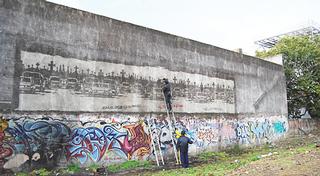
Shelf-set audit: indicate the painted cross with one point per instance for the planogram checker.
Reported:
(51, 65)
(122, 73)
(37, 64)
(76, 69)
(88, 71)
(174, 79)
(188, 81)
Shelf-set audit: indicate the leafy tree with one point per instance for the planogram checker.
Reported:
(301, 61)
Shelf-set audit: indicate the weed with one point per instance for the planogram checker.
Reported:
(93, 167)
(21, 174)
(73, 168)
(129, 165)
(208, 156)
(41, 172)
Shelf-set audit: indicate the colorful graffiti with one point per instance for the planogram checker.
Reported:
(38, 140)
(4, 151)
(279, 127)
(254, 132)
(94, 142)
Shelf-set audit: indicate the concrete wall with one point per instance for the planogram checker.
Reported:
(303, 126)
(51, 140)
(222, 97)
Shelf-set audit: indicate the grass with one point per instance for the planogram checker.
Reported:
(128, 165)
(73, 168)
(234, 158)
(21, 174)
(93, 167)
(40, 172)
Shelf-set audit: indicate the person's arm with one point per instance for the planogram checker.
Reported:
(189, 141)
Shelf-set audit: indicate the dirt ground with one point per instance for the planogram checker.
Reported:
(301, 164)
(305, 161)
(295, 155)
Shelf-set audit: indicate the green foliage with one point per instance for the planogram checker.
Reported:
(205, 156)
(93, 167)
(73, 168)
(128, 165)
(41, 172)
(302, 70)
(21, 174)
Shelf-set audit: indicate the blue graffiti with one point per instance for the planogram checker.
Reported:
(31, 135)
(279, 127)
(94, 142)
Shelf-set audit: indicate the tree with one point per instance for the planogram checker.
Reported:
(301, 62)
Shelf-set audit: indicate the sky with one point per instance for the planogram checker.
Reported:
(228, 24)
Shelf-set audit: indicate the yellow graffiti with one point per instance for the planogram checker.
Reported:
(3, 125)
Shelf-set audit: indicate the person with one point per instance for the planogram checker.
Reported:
(182, 146)
(166, 89)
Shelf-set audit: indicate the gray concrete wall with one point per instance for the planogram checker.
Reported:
(42, 27)
(248, 107)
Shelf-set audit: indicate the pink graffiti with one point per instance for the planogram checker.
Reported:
(139, 142)
(4, 152)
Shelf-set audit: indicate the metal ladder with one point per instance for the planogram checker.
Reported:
(172, 131)
(156, 136)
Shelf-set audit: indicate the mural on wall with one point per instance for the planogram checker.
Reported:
(35, 141)
(57, 83)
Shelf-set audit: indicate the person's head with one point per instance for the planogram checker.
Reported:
(165, 80)
(183, 133)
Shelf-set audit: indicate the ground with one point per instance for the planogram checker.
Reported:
(293, 155)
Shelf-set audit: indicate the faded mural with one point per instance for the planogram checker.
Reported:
(56, 83)
(34, 141)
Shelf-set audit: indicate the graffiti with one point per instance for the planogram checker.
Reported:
(122, 107)
(4, 151)
(243, 133)
(228, 134)
(140, 141)
(208, 135)
(279, 127)
(87, 143)
(93, 143)
(250, 132)
(39, 141)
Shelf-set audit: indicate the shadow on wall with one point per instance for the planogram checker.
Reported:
(35, 141)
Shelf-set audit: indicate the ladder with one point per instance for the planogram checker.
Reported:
(177, 157)
(156, 136)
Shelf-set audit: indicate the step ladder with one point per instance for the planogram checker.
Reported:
(155, 137)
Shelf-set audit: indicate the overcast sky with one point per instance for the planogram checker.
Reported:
(228, 24)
